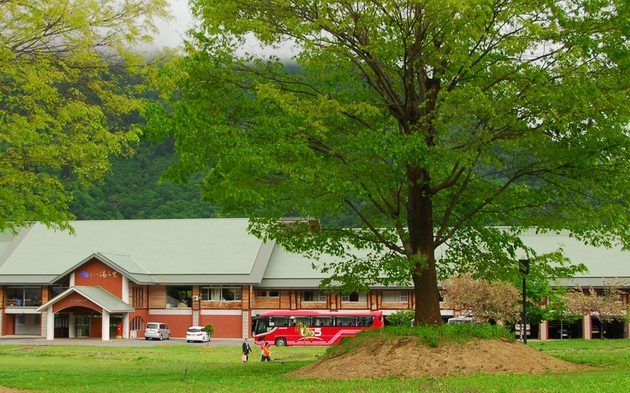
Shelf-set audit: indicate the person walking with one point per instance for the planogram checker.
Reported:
(246, 350)
(266, 353)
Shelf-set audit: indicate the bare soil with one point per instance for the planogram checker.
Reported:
(407, 358)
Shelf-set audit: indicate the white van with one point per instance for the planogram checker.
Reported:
(460, 319)
(157, 330)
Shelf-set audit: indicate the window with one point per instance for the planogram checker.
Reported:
(345, 321)
(221, 293)
(313, 296)
(322, 321)
(30, 296)
(137, 323)
(20, 320)
(139, 297)
(395, 296)
(179, 296)
(267, 294)
(301, 320)
(278, 321)
(354, 297)
(365, 321)
(56, 290)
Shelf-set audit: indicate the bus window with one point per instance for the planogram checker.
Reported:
(345, 321)
(322, 321)
(278, 321)
(301, 320)
(365, 321)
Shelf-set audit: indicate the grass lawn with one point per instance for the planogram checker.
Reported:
(197, 368)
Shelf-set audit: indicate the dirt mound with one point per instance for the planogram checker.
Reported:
(405, 357)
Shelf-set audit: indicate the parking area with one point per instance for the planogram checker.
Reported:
(24, 340)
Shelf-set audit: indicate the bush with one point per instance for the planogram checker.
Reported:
(209, 329)
(400, 318)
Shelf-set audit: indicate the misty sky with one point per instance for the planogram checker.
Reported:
(172, 32)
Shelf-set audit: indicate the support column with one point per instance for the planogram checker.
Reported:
(125, 289)
(72, 325)
(125, 325)
(50, 324)
(543, 334)
(246, 324)
(587, 326)
(105, 326)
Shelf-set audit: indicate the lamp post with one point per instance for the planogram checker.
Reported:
(524, 268)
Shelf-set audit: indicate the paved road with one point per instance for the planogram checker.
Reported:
(21, 340)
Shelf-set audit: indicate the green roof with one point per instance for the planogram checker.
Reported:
(97, 295)
(216, 251)
(187, 247)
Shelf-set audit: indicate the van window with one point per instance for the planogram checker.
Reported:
(152, 325)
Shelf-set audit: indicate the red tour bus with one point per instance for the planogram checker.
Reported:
(289, 327)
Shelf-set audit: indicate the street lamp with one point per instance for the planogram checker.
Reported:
(524, 268)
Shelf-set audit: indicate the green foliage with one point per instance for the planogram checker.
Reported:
(67, 74)
(438, 124)
(132, 190)
(400, 318)
(209, 328)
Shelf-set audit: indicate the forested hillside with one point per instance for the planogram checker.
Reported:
(131, 190)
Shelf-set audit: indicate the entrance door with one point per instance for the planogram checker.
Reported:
(114, 320)
(83, 325)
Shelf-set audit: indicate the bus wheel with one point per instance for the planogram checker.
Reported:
(281, 342)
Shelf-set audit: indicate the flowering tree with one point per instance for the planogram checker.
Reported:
(486, 301)
(607, 305)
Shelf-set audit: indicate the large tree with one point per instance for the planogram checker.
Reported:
(433, 122)
(65, 72)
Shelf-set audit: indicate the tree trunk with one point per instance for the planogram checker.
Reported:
(427, 297)
(421, 244)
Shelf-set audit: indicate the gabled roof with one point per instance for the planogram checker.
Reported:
(96, 295)
(217, 250)
(125, 264)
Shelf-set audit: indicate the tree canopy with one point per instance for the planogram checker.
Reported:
(64, 72)
(131, 189)
(447, 127)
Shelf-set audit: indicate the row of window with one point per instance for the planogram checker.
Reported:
(232, 293)
(182, 296)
